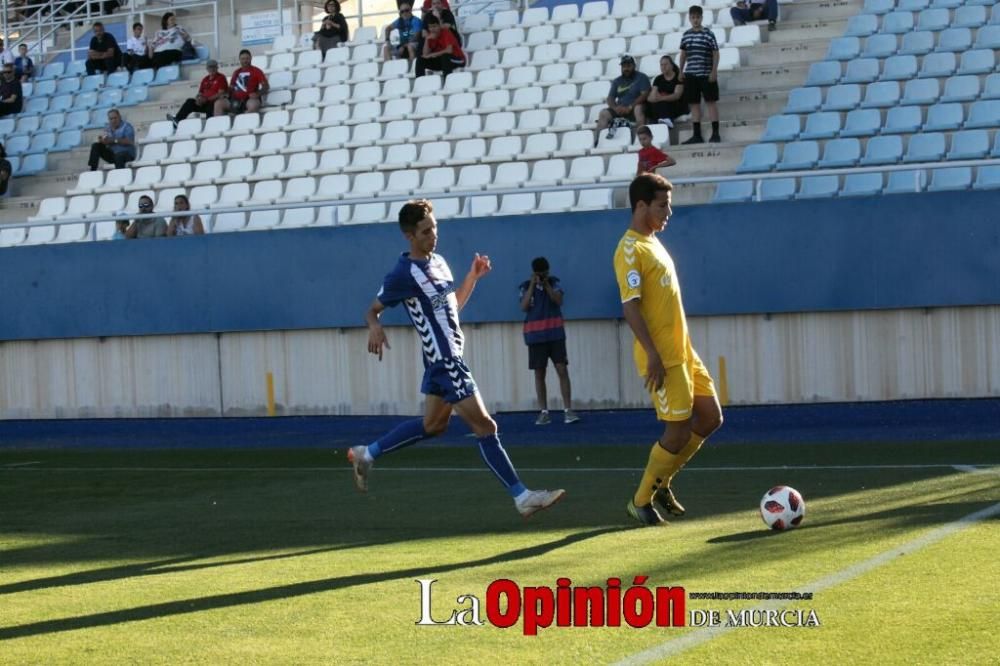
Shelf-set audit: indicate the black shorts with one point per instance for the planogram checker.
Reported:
(238, 105)
(630, 116)
(696, 87)
(539, 354)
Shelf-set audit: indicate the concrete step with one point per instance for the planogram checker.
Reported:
(793, 31)
(819, 10)
(781, 54)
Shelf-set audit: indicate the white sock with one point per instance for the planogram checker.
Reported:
(520, 498)
(367, 457)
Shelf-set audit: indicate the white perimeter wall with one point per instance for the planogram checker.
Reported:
(884, 355)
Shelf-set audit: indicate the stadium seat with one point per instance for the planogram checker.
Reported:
(897, 22)
(32, 164)
(840, 153)
(844, 48)
(969, 145)
(42, 142)
(803, 100)
(956, 178)
(842, 97)
(988, 37)
(987, 178)
(821, 125)
(961, 89)
(912, 5)
(734, 191)
(68, 139)
(977, 61)
(758, 157)
(984, 113)
(547, 172)
(903, 120)
(955, 40)
(933, 19)
(917, 43)
(878, 6)
(49, 209)
(947, 4)
(900, 68)
(484, 206)
(596, 199)
(905, 182)
(585, 170)
(88, 181)
(784, 127)
(862, 122)
(921, 92)
(36, 105)
(862, 184)
(883, 150)
(861, 70)
(937, 65)
(52, 122)
(881, 95)
(926, 147)
(944, 117)
(818, 187)
(825, 73)
(861, 25)
(799, 155)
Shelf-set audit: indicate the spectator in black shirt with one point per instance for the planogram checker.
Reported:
(5, 174)
(666, 100)
(11, 97)
(104, 54)
(334, 31)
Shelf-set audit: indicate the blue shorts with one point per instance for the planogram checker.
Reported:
(449, 379)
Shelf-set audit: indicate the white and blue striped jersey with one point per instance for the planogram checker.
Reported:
(427, 289)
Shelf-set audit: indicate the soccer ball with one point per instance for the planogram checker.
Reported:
(782, 508)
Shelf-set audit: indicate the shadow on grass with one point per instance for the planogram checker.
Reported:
(198, 604)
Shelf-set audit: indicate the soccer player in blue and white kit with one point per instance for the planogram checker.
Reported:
(422, 282)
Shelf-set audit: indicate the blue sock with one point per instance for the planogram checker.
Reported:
(406, 433)
(498, 462)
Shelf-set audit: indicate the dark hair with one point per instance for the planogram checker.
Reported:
(412, 212)
(695, 10)
(183, 196)
(3, 152)
(137, 24)
(644, 129)
(22, 44)
(146, 196)
(335, 3)
(645, 187)
(247, 51)
(163, 21)
(114, 110)
(539, 264)
(431, 20)
(98, 23)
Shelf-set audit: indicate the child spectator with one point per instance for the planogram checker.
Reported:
(121, 226)
(651, 158)
(24, 66)
(441, 50)
(439, 10)
(699, 67)
(136, 50)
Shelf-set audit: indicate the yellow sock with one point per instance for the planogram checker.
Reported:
(684, 456)
(660, 463)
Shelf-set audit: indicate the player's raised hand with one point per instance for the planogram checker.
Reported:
(481, 265)
(376, 340)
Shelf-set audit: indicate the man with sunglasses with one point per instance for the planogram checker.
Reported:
(149, 227)
(11, 97)
(116, 144)
(409, 27)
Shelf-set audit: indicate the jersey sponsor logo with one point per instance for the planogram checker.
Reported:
(665, 279)
(633, 279)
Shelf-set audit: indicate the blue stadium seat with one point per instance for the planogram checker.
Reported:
(777, 189)
(996, 147)
(927, 147)
(933, 19)
(903, 120)
(110, 97)
(862, 25)
(977, 61)
(987, 178)
(53, 122)
(818, 187)
(991, 90)
(51, 71)
(944, 117)
(7, 125)
(758, 157)
(947, 4)
(76, 68)
(969, 145)
(878, 6)
(36, 105)
(135, 95)
(844, 48)
(27, 124)
(825, 73)
(917, 42)
(969, 16)
(118, 79)
(78, 118)
(883, 150)
(166, 75)
(912, 5)
(840, 153)
(937, 65)
(33, 164)
(904, 182)
(955, 40)
(804, 100)
(842, 97)
(994, 15)
(961, 89)
(988, 37)
(799, 155)
(862, 70)
(141, 77)
(921, 91)
(984, 113)
(98, 118)
(861, 184)
(782, 128)
(94, 82)
(43, 88)
(862, 122)
(880, 46)
(61, 103)
(202, 51)
(68, 139)
(733, 191)
(821, 125)
(955, 178)
(900, 68)
(41, 143)
(85, 100)
(881, 95)
(897, 22)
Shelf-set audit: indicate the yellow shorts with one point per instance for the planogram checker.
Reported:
(675, 401)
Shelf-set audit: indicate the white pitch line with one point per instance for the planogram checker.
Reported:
(700, 636)
(588, 470)
(23, 464)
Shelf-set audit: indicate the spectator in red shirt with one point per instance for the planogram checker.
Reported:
(442, 52)
(246, 90)
(650, 157)
(213, 87)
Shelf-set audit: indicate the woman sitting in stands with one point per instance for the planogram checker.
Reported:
(334, 31)
(184, 225)
(168, 42)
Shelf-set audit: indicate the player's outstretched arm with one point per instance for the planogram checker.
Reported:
(655, 372)
(376, 334)
(480, 266)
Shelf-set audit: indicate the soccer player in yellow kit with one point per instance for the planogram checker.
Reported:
(679, 384)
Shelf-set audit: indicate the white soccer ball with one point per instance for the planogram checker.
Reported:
(782, 508)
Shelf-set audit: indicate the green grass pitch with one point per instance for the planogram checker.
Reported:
(272, 557)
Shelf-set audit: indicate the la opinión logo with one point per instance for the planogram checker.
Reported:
(565, 605)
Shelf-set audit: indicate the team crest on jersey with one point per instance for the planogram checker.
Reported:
(633, 279)
(440, 301)
(665, 279)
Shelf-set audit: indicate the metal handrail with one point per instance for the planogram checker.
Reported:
(605, 184)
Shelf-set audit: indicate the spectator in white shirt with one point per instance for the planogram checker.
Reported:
(136, 50)
(6, 55)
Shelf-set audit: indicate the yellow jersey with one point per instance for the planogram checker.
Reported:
(645, 271)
